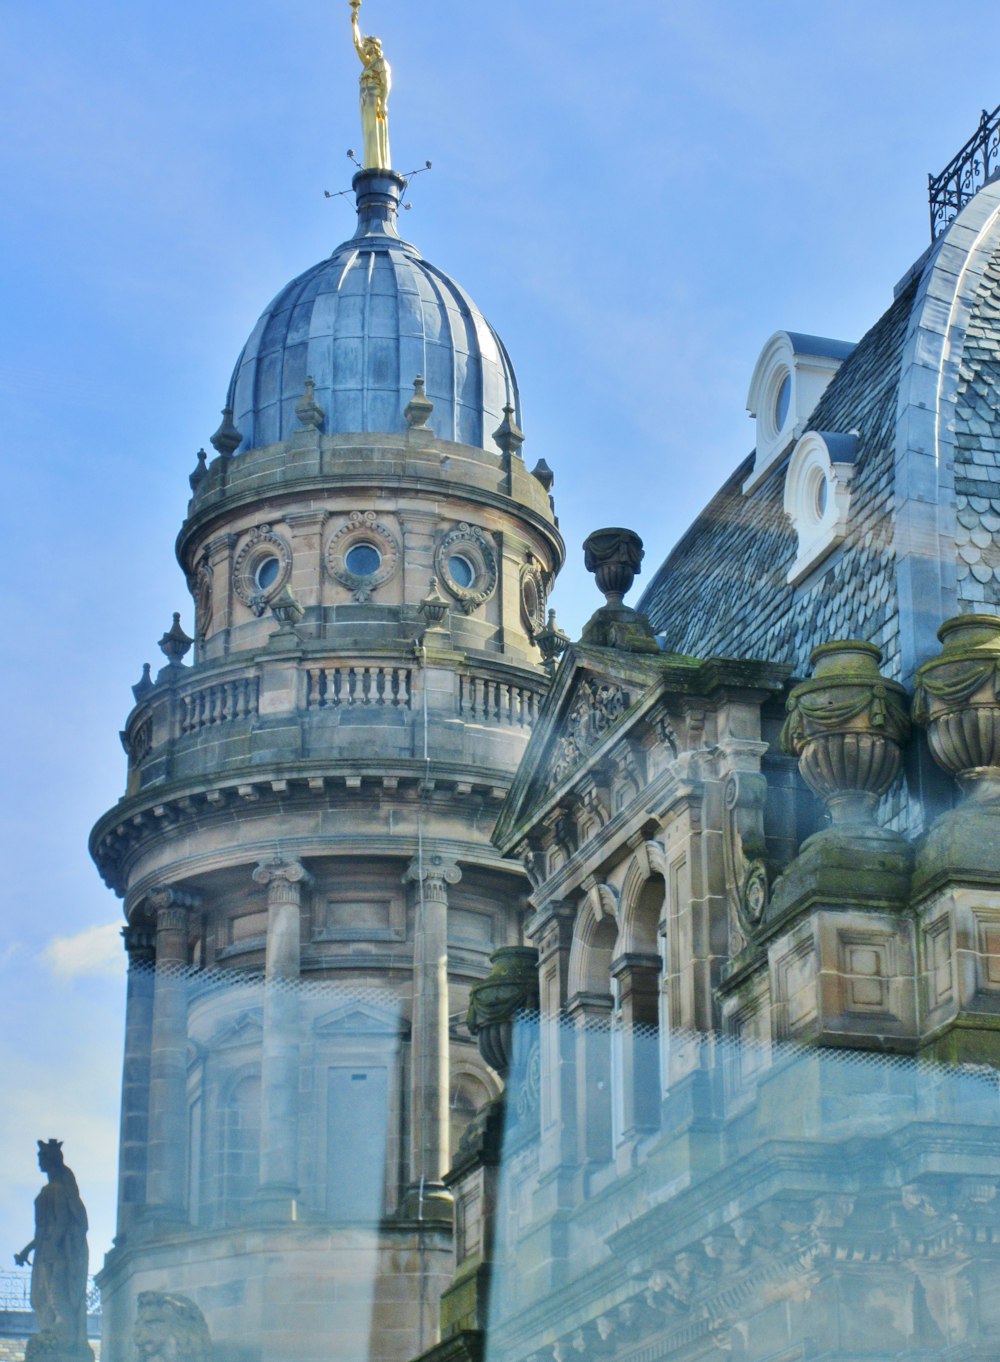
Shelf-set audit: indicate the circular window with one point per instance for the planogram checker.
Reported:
(364, 560)
(262, 567)
(461, 570)
(362, 555)
(782, 402)
(267, 573)
(822, 493)
(466, 563)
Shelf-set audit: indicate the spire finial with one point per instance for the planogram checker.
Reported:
(508, 435)
(376, 82)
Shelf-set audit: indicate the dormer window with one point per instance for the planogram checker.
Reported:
(818, 496)
(790, 377)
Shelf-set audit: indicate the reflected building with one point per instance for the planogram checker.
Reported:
(644, 1006)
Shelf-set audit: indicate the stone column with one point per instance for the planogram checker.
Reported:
(279, 1179)
(140, 943)
(430, 1067)
(167, 1160)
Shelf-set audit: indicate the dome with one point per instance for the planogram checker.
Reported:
(362, 325)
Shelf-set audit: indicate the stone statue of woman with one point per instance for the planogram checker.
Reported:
(59, 1269)
(376, 82)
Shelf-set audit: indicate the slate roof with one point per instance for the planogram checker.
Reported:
(363, 324)
(723, 589)
(977, 451)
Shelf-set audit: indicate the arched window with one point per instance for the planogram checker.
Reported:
(589, 1006)
(469, 1094)
(638, 1016)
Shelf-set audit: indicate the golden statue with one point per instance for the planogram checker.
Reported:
(376, 82)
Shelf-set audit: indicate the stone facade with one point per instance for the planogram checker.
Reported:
(304, 847)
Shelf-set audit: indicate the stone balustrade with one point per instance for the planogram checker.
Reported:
(190, 706)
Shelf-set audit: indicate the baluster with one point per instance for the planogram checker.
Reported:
(405, 687)
(366, 685)
(254, 695)
(333, 681)
(394, 675)
(474, 696)
(352, 685)
(510, 699)
(186, 714)
(380, 685)
(314, 685)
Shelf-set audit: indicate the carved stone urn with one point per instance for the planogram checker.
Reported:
(615, 557)
(957, 699)
(846, 725)
(510, 988)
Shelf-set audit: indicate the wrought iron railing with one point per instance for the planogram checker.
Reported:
(965, 174)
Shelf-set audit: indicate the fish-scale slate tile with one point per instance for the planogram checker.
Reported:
(977, 450)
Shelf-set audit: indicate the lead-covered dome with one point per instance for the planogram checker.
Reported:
(362, 325)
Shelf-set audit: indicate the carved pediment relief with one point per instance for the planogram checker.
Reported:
(595, 706)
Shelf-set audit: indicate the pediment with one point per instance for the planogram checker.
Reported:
(244, 1029)
(360, 1019)
(594, 693)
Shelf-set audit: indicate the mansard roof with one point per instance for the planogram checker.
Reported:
(921, 392)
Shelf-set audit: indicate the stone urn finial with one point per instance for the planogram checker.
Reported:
(311, 415)
(510, 988)
(957, 699)
(615, 557)
(847, 725)
(433, 608)
(420, 407)
(175, 643)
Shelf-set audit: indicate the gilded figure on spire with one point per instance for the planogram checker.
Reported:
(376, 82)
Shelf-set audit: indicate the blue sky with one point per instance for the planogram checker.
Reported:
(637, 195)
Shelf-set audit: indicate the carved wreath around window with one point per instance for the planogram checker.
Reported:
(362, 555)
(263, 566)
(466, 563)
(533, 597)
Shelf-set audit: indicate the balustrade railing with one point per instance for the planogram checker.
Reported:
(965, 174)
(331, 687)
(220, 702)
(484, 700)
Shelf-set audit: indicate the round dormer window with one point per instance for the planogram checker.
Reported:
(782, 403)
(818, 496)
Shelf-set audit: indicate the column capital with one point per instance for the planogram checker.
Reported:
(278, 870)
(171, 906)
(436, 872)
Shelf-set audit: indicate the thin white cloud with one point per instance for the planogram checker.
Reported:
(94, 951)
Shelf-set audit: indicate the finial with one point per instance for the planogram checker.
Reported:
(144, 683)
(200, 470)
(418, 410)
(175, 643)
(507, 435)
(552, 643)
(615, 557)
(544, 474)
(433, 607)
(308, 410)
(227, 439)
(376, 82)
